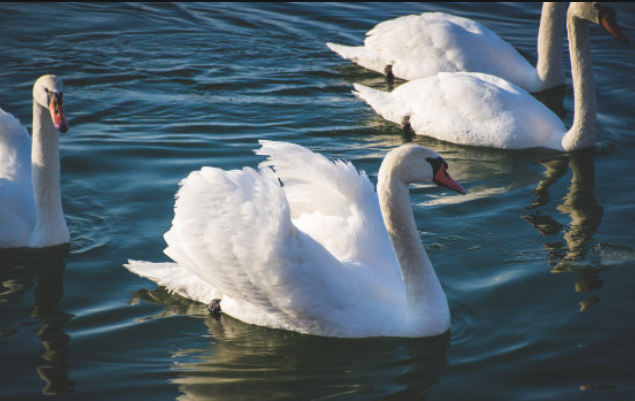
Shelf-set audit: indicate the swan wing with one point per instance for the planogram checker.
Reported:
(17, 208)
(15, 149)
(233, 230)
(233, 238)
(334, 203)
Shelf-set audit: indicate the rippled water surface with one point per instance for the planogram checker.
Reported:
(538, 260)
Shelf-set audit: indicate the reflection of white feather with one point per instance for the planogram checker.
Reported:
(312, 255)
(419, 46)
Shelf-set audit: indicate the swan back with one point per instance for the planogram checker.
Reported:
(15, 149)
(419, 46)
(17, 216)
(423, 45)
(469, 109)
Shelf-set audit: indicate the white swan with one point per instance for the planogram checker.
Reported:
(484, 110)
(418, 46)
(31, 212)
(313, 255)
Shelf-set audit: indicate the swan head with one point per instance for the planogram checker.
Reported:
(599, 13)
(48, 92)
(417, 164)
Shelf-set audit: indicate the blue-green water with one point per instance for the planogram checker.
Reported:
(538, 261)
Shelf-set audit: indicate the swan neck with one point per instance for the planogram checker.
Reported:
(50, 227)
(424, 293)
(582, 132)
(550, 63)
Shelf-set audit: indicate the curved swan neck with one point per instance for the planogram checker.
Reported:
(50, 228)
(582, 132)
(423, 290)
(550, 63)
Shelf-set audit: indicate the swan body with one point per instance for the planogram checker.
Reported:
(483, 110)
(31, 212)
(419, 46)
(314, 255)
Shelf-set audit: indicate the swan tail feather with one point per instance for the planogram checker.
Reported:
(363, 56)
(384, 103)
(175, 279)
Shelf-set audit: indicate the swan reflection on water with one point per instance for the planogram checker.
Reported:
(44, 270)
(579, 251)
(284, 364)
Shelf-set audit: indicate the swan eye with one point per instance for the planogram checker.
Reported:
(437, 163)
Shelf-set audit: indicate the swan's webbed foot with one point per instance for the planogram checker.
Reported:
(214, 308)
(390, 77)
(408, 133)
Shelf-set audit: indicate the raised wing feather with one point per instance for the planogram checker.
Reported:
(334, 203)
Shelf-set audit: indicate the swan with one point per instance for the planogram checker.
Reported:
(31, 212)
(312, 255)
(483, 110)
(419, 46)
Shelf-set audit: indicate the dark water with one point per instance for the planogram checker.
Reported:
(538, 261)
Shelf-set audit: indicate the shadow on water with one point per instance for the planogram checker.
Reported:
(578, 253)
(20, 271)
(248, 361)
(554, 99)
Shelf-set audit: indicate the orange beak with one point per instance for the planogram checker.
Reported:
(609, 23)
(56, 107)
(442, 178)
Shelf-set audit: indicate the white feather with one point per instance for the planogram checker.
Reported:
(484, 110)
(418, 46)
(31, 212)
(17, 217)
(311, 255)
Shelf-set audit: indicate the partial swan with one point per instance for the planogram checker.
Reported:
(312, 255)
(419, 46)
(483, 110)
(31, 212)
